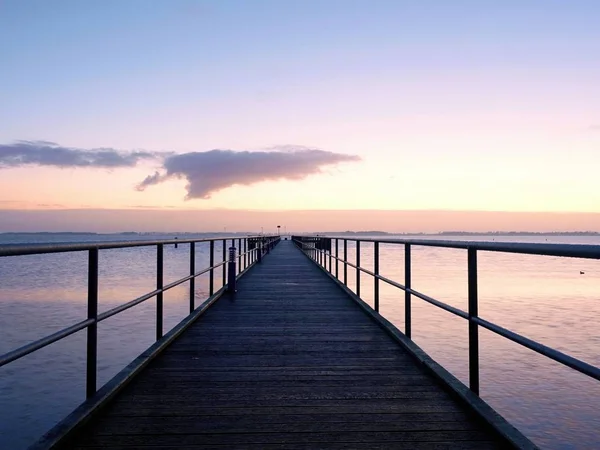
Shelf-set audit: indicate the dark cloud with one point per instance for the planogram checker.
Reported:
(214, 170)
(44, 153)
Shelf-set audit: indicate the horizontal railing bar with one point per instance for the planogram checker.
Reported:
(428, 299)
(574, 363)
(182, 280)
(26, 249)
(542, 349)
(149, 295)
(43, 342)
(197, 274)
(26, 349)
(111, 312)
(566, 250)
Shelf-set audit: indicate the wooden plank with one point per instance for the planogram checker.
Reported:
(274, 424)
(465, 445)
(163, 406)
(287, 437)
(291, 362)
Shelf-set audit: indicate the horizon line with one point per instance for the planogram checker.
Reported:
(252, 210)
(365, 232)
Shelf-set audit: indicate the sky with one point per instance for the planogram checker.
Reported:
(171, 112)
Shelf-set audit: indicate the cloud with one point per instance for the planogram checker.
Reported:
(594, 127)
(44, 153)
(215, 170)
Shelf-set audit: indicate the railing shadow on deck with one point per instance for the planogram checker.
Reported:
(235, 262)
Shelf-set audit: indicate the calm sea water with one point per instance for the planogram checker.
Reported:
(544, 298)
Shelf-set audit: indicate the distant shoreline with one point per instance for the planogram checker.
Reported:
(334, 233)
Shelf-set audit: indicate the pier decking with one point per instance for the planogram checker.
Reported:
(291, 362)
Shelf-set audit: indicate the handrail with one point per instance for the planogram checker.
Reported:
(254, 247)
(568, 250)
(27, 249)
(318, 248)
(43, 342)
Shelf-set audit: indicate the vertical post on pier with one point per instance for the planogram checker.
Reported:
(337, 261)
(251, 253)
(235, 274)
(259, 249)
(376, 280)
(358, 268)
(345, 262)
(239, 261)
(322, 256)
(320, 253)
(159, 285)
(318, 250)
(473, 327)
(407, 294)
(211, 262)
(92, 330)
(330, 255)
(193, 279)
(231, 271)
(245, 253)
(224, 261)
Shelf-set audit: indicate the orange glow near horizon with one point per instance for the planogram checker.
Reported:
(216, 220)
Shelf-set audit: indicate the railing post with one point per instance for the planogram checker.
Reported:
(376, 280)
(321, 255)
(159, 285)
(345, 262)
(407, 294)
(211, 279)
(473, 327)
(235, 274)
(358, 268)
(337, 261)
(245, 253)
(316, 251)
(239, 262)
(92, 330)
(231, 271)
(193, 279)
(224, 261)
(259, 247)
(330, 256)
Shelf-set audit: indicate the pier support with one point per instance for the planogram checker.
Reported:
(231, 271)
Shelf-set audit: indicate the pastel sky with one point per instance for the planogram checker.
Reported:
(289, 105)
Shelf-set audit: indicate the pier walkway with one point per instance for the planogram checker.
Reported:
(291, 362)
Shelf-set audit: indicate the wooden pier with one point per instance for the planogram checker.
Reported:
(291, 362)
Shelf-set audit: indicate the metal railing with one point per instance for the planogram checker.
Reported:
(253, 248)
(319, 249)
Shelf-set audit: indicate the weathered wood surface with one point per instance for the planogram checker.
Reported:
(291, 363)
